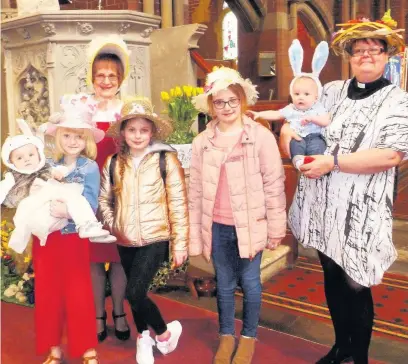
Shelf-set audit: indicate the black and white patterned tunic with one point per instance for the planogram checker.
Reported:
(348, 217)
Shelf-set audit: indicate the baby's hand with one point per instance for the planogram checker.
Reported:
(252, 114)
(306, 121)
(58, 175)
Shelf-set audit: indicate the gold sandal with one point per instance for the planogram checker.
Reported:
(51, 358)
(87, 359)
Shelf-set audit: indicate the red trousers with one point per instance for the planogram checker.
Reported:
(63, 294)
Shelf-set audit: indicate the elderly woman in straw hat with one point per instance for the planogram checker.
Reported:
(236, 203)
(143, 202)
(343, 203)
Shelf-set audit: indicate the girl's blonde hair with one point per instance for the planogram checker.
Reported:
(90, 145)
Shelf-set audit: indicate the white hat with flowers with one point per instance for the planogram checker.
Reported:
(219, 79)
(112, 44)
(76, 113)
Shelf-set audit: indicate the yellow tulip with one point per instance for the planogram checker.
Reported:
(188, 91)
(165, 96)
(194, 91)
(185, 89)
(172, 92)
(178, 91)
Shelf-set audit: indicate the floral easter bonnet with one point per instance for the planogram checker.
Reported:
(319, 60)
(384, 29)
(219, 79)
(141, 107)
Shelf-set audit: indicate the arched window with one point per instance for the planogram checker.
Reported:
(229, 35)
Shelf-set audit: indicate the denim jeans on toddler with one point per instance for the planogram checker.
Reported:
(311, 144)
(231, 270)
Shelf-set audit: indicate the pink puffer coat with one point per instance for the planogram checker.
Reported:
(256, 185)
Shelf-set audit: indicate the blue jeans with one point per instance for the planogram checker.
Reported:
(311, 144)
(231, 270)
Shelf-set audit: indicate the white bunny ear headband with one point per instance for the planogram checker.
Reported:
(320, 56)
(18, 141)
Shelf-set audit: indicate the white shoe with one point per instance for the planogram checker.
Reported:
(166, 347)
(104, 239)
(92, 230)
(144, 349)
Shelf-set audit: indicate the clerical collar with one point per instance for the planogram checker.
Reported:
(359, 91)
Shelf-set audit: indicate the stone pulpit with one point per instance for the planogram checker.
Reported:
(45, 57)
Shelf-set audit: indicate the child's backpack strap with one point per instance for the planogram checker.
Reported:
(112, 169)
(162, 164)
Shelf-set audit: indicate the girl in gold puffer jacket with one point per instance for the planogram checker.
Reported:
(143, 202)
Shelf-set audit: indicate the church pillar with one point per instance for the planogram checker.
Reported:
(148, 6)
(167, 13)
(178, 12)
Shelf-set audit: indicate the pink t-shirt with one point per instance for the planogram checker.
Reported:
(230, 144)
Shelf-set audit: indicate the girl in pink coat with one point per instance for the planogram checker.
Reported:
(236, 203)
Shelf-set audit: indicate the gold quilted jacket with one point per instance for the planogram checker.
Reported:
(145, 211)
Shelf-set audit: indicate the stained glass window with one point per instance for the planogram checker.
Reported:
(230, 36)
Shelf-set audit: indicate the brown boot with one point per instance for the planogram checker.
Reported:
(245, 351)
(225, 350)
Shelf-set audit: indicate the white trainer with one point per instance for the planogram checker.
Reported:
(92, 230)
(144, 348)
(166, 347)
(104, 239)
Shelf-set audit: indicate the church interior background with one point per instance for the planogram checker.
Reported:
(176, 42)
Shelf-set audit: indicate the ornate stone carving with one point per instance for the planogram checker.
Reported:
(85, 28)
(123, 28)
(34, 97)
(138, 66)
(146, 33)
(82, 82)
(5, 38)
(24, 33)
(35, 57)
(73, 61)
(49, 29)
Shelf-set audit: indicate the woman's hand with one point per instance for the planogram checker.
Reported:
(321, 165)
(273, 243)
(59, 209)
(286, 135)
(179, 257)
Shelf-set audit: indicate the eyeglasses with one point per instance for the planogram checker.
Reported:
(102, 78)
(220, 104)
(371, 51)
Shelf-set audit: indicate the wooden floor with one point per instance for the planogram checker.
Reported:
(197, 344)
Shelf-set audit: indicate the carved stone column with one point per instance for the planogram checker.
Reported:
(167, 13)
(178, 12)
(45, 57)
(148, 6)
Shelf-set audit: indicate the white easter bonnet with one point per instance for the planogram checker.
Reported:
(112, 44)
(219, 79)
(14, 142)
(319, 60)
(76, 113)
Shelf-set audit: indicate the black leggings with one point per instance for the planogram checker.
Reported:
(351, 309)
(141, 265)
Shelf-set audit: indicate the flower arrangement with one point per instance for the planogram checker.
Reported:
(182, 112)
(14, 288)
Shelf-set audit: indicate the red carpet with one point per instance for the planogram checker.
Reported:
(197, 344)
(301, 289)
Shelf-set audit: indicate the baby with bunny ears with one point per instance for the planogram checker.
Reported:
(306, 115)
(30, 185)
